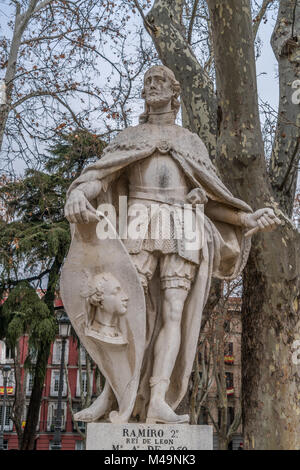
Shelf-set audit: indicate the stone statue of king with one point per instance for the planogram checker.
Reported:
(161, 168)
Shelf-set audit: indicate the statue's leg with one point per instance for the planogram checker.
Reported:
(176, 275)
(100, 406)
(145, 264)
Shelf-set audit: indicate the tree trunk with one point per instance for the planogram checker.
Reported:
(271, 301)
(42, 360)
(36, 397)
(220, 376)
(20, 25)
(270, 310)
(19, 401)
(286, 151)
(74, 422)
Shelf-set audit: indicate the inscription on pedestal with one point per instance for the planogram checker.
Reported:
(133, 436)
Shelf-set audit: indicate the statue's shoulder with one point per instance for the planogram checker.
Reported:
(188, 139)
(130, 134)
(123, 140)
(144, 135)
(191, 136)
(124, 134)
(130, 141)
(193, 147)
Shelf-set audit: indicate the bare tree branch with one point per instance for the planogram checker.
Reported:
(42, 5)
(141, 12)
(191, 24)
(260, 15)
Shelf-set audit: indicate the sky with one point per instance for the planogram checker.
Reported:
(266, 64)
(266, 67)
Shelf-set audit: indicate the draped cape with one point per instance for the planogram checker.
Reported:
(224, 253)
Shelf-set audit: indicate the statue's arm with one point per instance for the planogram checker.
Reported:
(263, 219)
(78, 208)
(90, 189)
(219, 212)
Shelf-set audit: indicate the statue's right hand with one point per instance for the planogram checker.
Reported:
(78, 209)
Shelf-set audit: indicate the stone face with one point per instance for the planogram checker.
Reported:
(105, 303)
(132, 436)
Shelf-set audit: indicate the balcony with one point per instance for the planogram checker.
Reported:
(230, 391)
(9, 391)
(229, 359)
(49, 425)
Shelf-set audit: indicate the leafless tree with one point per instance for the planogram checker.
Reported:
(65, 65)
(229, 124)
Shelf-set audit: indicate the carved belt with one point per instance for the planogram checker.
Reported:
(163, 196)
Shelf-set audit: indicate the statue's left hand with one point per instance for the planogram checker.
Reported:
(263, 220)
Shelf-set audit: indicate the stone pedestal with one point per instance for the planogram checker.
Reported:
(134, 436)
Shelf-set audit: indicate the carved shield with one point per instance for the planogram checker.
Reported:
(119, 361)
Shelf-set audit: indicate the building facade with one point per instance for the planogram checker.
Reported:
(74, 388)
(231, 338)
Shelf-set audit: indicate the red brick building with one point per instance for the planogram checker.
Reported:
(71, 439)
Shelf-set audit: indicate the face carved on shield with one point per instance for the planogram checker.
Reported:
(106, 302)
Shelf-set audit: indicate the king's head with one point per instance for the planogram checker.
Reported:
(161, 91)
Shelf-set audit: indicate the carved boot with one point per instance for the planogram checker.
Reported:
(159, 411)
(100, 406)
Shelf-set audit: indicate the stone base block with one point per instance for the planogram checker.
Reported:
(134, 436)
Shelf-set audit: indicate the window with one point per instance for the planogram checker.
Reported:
(8, 424)
(52, 409)
(230, 415)
(6, 353)
(82, 353)
(10, 384)
(79, 445)
(5, 444)
(203, 416)
(82, 388)
(2, 351)
(229, 380)
(80, 424)
(55, 384)
(33, 355)
(229, 349)
(227, 326)
(29, 383)
(56, 354)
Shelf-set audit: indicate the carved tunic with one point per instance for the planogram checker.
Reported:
(158, 172)
(159, 184)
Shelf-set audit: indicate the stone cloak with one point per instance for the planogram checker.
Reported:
(224, 253)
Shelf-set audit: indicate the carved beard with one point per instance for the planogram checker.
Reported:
(158, 98)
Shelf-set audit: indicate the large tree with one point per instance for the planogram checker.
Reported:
(270, 308)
